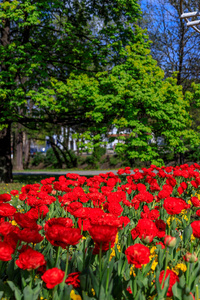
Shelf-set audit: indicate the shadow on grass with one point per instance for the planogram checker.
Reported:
(30, 179)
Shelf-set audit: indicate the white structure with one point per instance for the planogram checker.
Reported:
(194, 15)
(72, 145)
(113, 135)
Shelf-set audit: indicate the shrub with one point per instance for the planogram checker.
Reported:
(51, 160)
(37, 159)
(114, 160)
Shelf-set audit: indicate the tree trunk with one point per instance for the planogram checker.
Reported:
(66, 144)
(5, 134)
(77, 152)
(55, 152)
(5, 155)
(27, 151)
(175, 157)
(18, 150)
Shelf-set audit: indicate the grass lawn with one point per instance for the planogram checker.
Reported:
(21, 180)
(62, 170)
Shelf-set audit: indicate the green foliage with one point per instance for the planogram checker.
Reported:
(57, 68)
(50, 159)
(47, 41)
(193, 154)
(37, 159)
(99, 151)
(135, 98)
(114, 160)
(93, 161)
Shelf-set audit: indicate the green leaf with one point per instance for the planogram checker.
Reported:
(31, 294)
(95, 282)
(187, 234)
(86, 297)
(177, 291)
(15, 289)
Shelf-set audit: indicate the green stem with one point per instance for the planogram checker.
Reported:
(82, 227)
(197, 293)
(63, 212)
(32, 278)
(166, 262)
(191, 247)
(83, 254)
(67, 263)
(54, 292)
(100, 256)
(1, 267)
(107, 279)
(187, 273)
(134, 284)
(57, 255)
(129, 239)
(16, 249)
(66, 269)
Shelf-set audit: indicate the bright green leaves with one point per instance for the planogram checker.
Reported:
(135, 99)
(50, 67)
(52, 40)
(24, 13)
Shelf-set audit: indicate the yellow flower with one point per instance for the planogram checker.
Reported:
(113, 249)
(152, 250)
(178, 267)
(152, 297)
(171, 219)
(168, 221)
(118, 248)
(154, 264)
(192, 237)
(93, 292)
(73, 296)
(112, 254)
(132, 270)
(184, 212)
(185, 218)
(13, 222)
(116, 239)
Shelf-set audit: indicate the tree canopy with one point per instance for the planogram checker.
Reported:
(87, 63)
(44, 41)
(135, 98)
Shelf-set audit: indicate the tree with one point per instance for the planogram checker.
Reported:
(134, 97)
(174, 45)
(41, 40)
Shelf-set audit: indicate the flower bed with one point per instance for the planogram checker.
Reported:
(106, 237)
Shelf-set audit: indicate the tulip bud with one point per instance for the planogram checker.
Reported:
(147, 239)
(190, 257)
(170, 241)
